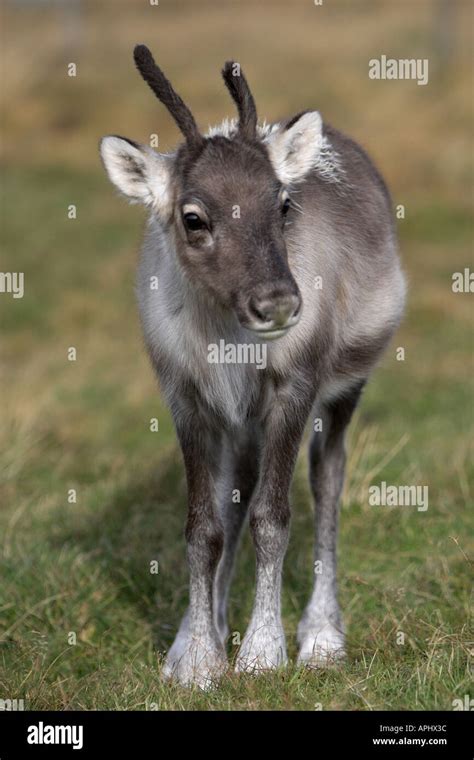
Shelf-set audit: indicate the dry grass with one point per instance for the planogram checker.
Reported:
(296, 55)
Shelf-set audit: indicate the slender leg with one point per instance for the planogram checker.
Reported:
(239, 472)
(263, 646)
(321, 630)
(197, 655)
(237, 468)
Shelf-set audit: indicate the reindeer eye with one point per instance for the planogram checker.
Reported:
(285, 206)
(193, 222)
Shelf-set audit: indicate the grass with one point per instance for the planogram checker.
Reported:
(83, 622)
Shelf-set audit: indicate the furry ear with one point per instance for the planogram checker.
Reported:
(139, 173)
(294, 149)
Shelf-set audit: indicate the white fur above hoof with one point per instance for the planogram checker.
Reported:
(195, 664)
(323, 648)
(262, 650)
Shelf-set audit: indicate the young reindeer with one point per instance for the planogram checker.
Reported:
(256, 233)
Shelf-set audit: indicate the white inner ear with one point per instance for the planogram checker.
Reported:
(295, 151)
(139, 173)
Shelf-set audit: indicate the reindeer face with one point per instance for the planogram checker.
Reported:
(225, 200)
(230, 216)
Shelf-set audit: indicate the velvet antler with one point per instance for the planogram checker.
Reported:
(239, 89)
(161, 86)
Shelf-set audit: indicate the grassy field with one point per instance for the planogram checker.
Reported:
(83, 622)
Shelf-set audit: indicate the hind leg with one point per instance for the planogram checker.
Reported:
(321, 630)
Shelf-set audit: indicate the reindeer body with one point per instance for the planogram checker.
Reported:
(240, 426)
(342, 232)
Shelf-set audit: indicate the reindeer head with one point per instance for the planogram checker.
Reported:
(224, 199)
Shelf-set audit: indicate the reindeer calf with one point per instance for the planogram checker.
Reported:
(274, 235)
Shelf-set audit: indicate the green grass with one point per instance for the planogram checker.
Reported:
(84, 567)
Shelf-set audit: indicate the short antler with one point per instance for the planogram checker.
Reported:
(239, 89)
(154, 77)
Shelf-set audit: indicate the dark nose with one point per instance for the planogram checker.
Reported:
(273, 310)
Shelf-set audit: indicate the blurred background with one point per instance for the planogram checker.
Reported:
(80, 562)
